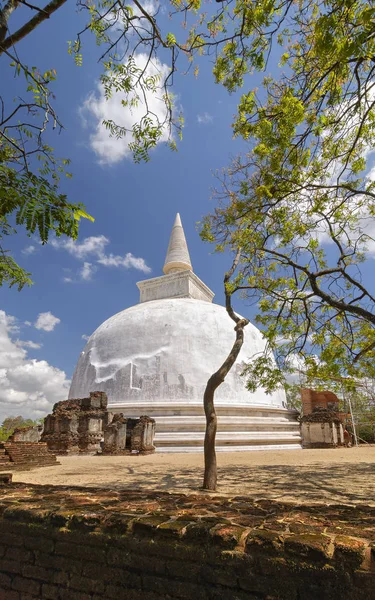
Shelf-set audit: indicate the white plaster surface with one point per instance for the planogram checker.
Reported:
(165, 350)
(182, 284)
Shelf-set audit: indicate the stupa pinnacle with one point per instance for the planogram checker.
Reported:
(178, 258)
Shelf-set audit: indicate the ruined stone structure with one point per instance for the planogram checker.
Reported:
(76, 426)
(321, 425)
(155, 358)
(33, 433)
(312, 399)
(22, 456)
(127, 436)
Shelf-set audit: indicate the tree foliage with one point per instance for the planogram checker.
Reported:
(300, 202)
(11, 423)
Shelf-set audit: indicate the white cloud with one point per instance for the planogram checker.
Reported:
(29, 344)
(85, 337)
(27, 387)
(68, 280)
(97, 108)
(87, 270)
(128, 261)
(46, 321)
(94, 247)
(28, 250)
(204, 118)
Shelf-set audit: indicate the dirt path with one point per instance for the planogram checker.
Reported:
(344, 476)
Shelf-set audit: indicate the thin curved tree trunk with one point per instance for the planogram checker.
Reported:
(210, 466)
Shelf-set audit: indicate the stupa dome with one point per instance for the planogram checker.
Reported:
(155, 358)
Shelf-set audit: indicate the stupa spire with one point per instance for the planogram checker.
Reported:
(178, 258)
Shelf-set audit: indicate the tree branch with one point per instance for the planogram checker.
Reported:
(23, 31)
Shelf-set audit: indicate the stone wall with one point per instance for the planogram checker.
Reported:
(65, 544)
(22, 456)
(33, 433)
(76, 426)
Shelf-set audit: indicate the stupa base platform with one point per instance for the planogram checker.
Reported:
(180, 426)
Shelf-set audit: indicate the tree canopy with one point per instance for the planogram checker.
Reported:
(299, 202)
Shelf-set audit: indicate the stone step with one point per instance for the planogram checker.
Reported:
(225, 423)
(238, 438)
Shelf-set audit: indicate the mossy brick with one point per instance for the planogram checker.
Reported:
(19, 554)
(39, 543)
(349, 551)
(198, 532)
(264, 541)
(147, 525)
(5, 580)
(86, 584)
(227, 536)
(29, 586)
(176, 529)
(10, 566)
(50, 592)
(84, 522)
(25, 515)
(310, 546)
(117, 524)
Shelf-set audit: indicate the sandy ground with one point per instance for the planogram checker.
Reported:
(344, 476)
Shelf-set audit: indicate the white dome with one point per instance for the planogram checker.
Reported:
(165, 350)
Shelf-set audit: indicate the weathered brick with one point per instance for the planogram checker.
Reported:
(50, 592)
(19, 554)
(72, 595)
(5, 580)
(2, 550)
(10, 566)
(8, 539)
(349, 551)
(85, 584)
(175, 588)
(39, 543)
(61, 563)
(310, 546)
(29, 586)
(35, 572)
(67, 549)
(9, 595)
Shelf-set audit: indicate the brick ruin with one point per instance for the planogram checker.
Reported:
(60, 543)
(23, 456)
(33, 433)
(321, 423)
(84, 426)
(127, 436)
(76, 426)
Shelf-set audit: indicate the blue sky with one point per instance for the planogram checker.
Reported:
(134, 206)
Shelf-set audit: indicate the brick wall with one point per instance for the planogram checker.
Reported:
(64, 554)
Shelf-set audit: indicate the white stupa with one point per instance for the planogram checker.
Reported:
(155, 359)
